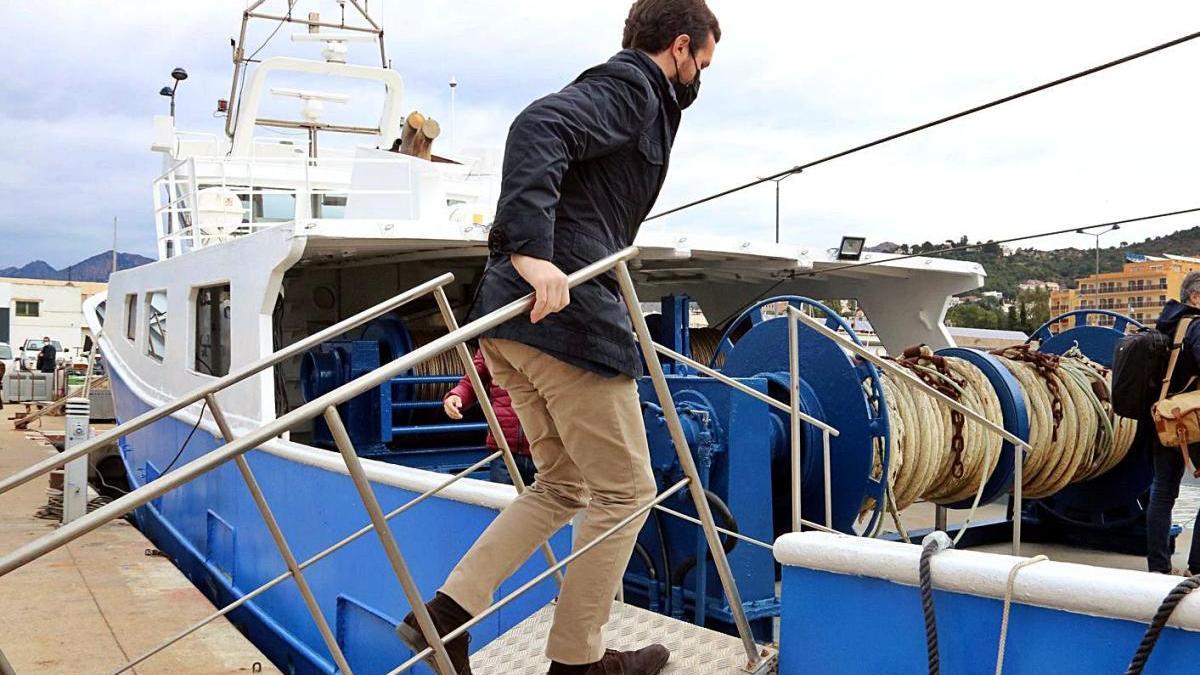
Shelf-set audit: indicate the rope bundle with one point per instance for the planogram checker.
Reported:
(1087, 440)
(938, 454)
(941, 457)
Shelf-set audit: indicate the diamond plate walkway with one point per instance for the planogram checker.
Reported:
(694, 650)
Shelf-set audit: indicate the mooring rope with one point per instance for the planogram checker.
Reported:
(1154, 630)
(1008, 593)
(935, 542)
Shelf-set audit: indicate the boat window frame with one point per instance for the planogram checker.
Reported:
(131, 314)
(194, 320)
(150, 315)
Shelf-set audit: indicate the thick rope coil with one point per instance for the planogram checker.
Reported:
(1078, 439)
(1154, 630)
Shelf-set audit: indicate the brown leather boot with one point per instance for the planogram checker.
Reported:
(447, 615)
(645, 661)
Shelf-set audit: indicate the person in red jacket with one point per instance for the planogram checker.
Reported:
(462, 396)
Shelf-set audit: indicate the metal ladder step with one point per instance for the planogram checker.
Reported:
(694, 650)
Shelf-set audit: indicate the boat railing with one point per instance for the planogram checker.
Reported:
(326, 405)
(204, 200)
(235, 448)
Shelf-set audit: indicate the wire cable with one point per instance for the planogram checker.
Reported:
(237, 110)
(949, 249)
(928, 125)
(186, 440)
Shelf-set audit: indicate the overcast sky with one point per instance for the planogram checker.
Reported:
(791, 81)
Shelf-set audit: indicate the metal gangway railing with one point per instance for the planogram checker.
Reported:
(235, 448)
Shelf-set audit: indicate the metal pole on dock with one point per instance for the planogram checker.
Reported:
(75, 474)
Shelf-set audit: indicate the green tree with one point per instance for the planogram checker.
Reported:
(972, 315)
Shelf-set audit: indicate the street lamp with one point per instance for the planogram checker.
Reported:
(777, 181)
(1083, 230)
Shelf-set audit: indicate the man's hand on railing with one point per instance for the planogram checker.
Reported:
(550, 289)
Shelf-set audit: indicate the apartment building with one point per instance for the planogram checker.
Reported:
(1139, 290)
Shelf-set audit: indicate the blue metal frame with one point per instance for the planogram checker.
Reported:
(756, 346)
(1098, 342)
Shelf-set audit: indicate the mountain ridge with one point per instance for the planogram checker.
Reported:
(94, 268)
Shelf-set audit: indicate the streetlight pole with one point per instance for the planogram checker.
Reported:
(777, 181)
(1097, 236)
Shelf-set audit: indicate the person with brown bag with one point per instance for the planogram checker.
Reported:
(1168, 439)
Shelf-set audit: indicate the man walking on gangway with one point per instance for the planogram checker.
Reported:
(582, 168)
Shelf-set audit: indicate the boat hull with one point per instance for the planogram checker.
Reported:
(213, 531)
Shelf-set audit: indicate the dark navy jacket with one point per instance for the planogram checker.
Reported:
(582, 168)
(1189, 356)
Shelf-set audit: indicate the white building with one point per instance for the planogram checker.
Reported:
(994, 295)
(34, 308)
(1038, 285)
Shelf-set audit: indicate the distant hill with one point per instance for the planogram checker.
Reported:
(95, 268)
(1063, 265)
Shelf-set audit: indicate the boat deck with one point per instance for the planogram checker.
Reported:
(694, 650)
(99, 602)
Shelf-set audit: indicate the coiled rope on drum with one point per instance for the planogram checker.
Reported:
(940, 457)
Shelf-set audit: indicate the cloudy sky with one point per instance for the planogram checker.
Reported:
(792, 81)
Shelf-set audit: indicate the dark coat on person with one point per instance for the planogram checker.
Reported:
(1188, 365)
(46, 359)
(582, 168)
(501, 403)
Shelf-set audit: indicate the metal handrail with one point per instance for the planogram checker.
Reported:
(249, 441)
(151, 416)
(316, 558)
(327, 405)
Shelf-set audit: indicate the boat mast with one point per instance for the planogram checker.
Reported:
(314, 23)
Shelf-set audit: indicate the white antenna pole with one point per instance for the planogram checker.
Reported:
(453, 124)
(114, 248)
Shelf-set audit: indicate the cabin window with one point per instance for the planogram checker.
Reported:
(270, 207)
(212, 330)
(131, 317)
(30, 308)
(156, 324)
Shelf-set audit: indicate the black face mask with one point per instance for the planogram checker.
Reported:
(686, 94)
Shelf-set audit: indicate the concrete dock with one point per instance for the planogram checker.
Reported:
(100, 601)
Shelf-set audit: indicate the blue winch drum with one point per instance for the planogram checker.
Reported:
(841, 389)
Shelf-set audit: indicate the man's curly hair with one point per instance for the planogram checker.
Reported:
(653, 24)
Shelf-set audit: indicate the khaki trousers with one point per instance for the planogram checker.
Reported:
(589, 445)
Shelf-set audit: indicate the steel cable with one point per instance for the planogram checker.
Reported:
(928, 125)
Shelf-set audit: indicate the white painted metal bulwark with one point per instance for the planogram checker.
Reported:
(253, 266)
(1072, 587)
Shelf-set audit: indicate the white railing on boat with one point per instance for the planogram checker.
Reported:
(326, 405)
(204, 200)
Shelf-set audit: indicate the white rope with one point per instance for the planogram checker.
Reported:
(1087, 441)
(1008, 593)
